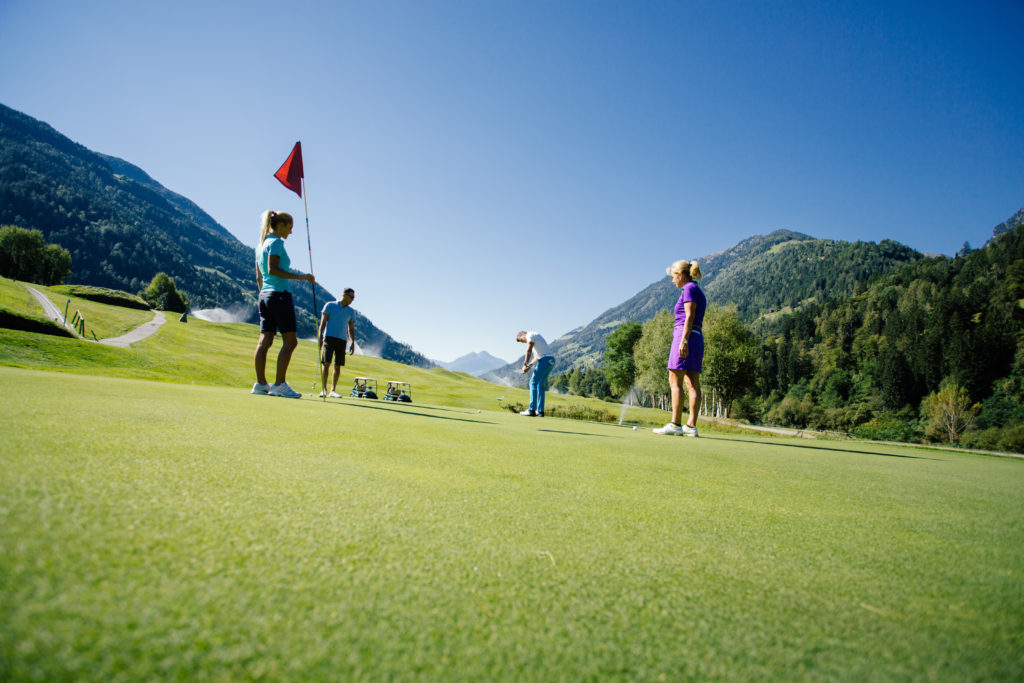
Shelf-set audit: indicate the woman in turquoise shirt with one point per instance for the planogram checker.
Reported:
(277, 311)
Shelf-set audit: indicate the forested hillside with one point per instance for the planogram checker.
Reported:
(122, 228)
(760, 276)
(930, 350)
(870, 362)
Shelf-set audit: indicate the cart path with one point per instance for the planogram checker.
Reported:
(139, 333)
(124, 341)
(49, 308)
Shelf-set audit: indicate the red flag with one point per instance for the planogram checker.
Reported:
(290, 173)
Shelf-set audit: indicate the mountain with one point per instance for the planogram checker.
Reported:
(1012, 224)
(122, 228)
(477, 363)
(761, 276)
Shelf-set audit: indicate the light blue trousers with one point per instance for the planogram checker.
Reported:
(539, 382)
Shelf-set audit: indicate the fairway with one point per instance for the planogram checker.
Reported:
(154, 530)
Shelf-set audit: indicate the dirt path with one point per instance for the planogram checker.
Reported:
(124, 341)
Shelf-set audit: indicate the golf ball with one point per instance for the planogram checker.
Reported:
(478, 411)
(634, 428)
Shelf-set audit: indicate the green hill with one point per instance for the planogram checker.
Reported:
(122, 228)
(220, 354)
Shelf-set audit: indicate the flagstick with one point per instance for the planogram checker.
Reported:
(316, 312)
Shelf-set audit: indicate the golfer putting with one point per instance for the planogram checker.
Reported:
(539, 358)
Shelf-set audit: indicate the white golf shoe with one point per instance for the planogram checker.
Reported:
(284, 390)
(670, 429)
(260, 388)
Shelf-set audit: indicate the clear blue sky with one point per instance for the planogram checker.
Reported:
(474, 168)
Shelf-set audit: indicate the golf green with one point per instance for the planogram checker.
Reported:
(152, 530)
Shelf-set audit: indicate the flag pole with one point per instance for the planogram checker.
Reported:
(316, 313)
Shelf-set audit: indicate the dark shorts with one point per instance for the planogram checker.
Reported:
(694, 361)
(333, 347)
(277, 312)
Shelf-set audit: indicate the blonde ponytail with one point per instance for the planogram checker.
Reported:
(269, 220)
(688, 268)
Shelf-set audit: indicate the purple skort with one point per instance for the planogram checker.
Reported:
(695, 360)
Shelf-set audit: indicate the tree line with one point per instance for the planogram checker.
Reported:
(932, 350)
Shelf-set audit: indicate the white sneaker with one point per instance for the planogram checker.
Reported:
(284, 390)
(334, 394)
(670, 429)
(322, 394)
(529, 413)
(689, 431)
(260, 388)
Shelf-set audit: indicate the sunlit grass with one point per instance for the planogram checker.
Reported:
(201, 352)
(153, 530)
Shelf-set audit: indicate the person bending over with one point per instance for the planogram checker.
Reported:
(539, 358)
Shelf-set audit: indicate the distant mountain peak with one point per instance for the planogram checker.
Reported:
(475, 363)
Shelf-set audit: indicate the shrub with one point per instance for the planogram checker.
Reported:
(983, 439)
(887, 429)
(1012, 439)
(164, 296)
(573, 412)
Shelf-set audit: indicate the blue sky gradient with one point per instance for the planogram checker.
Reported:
(475, 168)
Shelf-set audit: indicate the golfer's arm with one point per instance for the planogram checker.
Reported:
(320, 330)
(352, 333)
(529, 352)
(688, 306)
(274, 268)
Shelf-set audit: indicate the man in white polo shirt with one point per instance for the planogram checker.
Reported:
(538, 356)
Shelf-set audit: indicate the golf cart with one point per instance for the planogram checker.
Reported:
(398, 391)
(364, 387)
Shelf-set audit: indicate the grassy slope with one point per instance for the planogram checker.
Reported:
(200, 352)
(101, 319)
(172, 531)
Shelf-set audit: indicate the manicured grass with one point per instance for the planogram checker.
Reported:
(15, 298)
(153, 530)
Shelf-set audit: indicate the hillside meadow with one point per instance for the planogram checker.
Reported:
(220, 354)
(159, 522)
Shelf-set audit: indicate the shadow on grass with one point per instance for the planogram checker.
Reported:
(403, 411)
(559, 431)
(828, 448)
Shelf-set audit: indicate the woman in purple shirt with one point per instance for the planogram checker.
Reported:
(686, 357)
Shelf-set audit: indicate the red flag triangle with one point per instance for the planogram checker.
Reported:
(290, 173)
